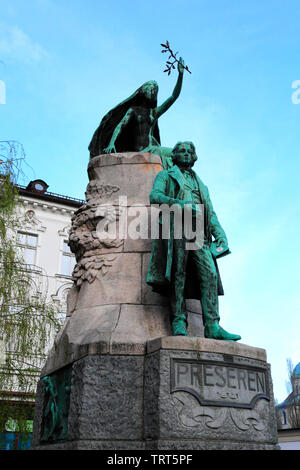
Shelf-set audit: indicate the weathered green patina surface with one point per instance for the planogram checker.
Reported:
(57, 402)
(133, 124)
(176, 271)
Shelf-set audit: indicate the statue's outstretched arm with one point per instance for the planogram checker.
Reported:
(176, 92)
(111, 146)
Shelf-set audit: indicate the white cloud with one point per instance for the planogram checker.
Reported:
(17, 45)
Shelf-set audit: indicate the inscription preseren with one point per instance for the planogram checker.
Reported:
(219, 383)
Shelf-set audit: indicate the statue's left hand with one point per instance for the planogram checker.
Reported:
(181, 65)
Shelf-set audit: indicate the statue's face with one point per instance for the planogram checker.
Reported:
(150, 90)
(184, 155)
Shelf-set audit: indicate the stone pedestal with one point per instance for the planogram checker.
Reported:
(205, 394)
(182, 394)
(133, 386)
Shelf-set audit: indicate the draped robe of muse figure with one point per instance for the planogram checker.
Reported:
(173, 269)
(132, 125)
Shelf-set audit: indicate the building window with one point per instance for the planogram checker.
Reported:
(68, 260)
(27, 243)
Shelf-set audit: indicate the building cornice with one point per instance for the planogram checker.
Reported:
(54, 200)
(49, 205)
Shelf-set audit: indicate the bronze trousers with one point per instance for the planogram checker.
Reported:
(206, 277)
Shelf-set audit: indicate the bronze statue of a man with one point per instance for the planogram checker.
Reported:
(176, 271)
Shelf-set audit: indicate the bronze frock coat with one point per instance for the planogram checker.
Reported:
(167, 189)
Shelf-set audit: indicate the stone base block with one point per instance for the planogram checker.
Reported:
(115, 329)
(182, 394)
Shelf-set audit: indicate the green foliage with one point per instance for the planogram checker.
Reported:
(27, 320)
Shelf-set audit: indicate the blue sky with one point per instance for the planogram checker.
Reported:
(65, 63)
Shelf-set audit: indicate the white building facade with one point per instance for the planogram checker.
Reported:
(43, 239)
(43, 233)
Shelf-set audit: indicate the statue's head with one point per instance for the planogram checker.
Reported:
(149, 91)
(184, 154)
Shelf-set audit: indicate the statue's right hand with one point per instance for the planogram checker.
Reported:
(185, 205)
(181, 203)
(110, 149)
